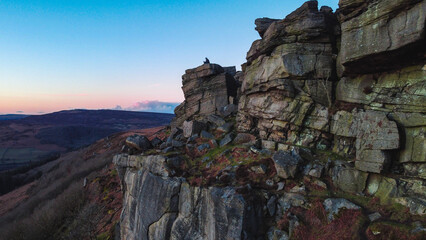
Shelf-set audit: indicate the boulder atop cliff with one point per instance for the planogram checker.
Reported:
(207, 89)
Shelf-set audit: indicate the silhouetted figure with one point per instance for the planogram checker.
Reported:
(207, 61)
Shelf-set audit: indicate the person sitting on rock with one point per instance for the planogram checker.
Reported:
(207, 61)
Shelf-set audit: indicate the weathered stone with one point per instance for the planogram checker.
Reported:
(386, 32)
(192, 127)
(415, 170)
(295, 60)
(344, 146)
(415, 145)
(318, 119)
(409, 120)
(412, 187)
(271, 205)
(216, 120)
(207, 89)
(175, 162)
(192, 138)
(304, 24)
(227, 127)
(349, 179)
(255, 150)
(268, 144)
(290, 200)
(156, 164)
(376, 132)
(161, 228)
(163, 145)
(177, 144)
(259, 169)
(156, 142)
(321, 90)
(262, 25)
(344, 124)
(283, 147)
(281, 186)
(168, 149)
(142, 194)
(214, 213)
(226, 140)
(382, 187)
(285, 164)
(206, 135)
(228, 110)
(374, 216)
(300, 189)
(314, 169)
(203, 146)
(417, 206)
(276, 234)
(333, 206)
(399, 90)
(320, 183)
(138, 142)
(372, 161)
(204, 70)
(245, 139)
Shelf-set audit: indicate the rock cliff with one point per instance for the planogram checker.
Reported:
(320, 136)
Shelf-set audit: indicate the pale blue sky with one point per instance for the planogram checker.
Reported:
(61, 54)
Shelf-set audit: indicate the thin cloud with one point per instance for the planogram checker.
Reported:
(151, 106)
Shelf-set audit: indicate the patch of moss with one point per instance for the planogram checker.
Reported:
(104, 236)
(113, 173)
(150, 152)
(392, 231)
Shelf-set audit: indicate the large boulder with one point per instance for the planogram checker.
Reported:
(138, 142)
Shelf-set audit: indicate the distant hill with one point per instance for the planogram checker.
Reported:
(55, 195)
(12, 116)
(33, 139)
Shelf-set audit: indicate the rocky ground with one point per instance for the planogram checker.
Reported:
(223, 184)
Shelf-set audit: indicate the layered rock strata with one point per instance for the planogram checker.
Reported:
(349, 86)
(207, 89)
(329, 105)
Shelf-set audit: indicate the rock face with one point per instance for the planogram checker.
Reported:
(207, 89)
(388, 34)
(159, 207)
(288, 79)
(345, 81)
(331, 102)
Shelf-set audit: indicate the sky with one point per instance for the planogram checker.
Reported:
(108, 54)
